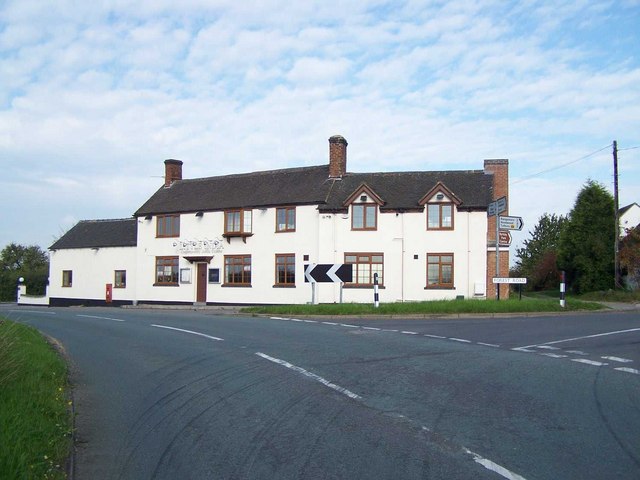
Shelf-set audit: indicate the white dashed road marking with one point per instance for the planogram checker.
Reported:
(553, 355)
(101, 318)
(486, 463)
(628, 370)
(311, 375)
(589, 362)
(189, 331)
(617, 359)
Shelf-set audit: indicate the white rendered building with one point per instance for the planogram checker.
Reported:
(247, 238)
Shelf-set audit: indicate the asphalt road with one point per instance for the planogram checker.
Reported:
(191, 395)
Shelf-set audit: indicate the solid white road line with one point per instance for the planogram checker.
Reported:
(494, 467)
(618, 359)
(589, 362)
(547, 347)
(579, 338)
(101, 318)
(628, 370)
(311, 375)
(188, 331)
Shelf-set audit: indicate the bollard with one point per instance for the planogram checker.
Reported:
(562, 288)
(376, 298)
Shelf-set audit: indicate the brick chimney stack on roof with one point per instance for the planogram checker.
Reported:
(172, 171)
(499, 168)
(337, 156)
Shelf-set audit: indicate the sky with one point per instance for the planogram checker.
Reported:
(94, 96)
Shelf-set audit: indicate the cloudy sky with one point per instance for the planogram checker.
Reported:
(95, 95)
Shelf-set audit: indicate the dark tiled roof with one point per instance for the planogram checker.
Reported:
(404, 190)
(623, 210)
(294, 186)
(312, 186)
(100, 233)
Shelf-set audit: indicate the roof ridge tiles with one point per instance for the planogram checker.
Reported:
(258, 173)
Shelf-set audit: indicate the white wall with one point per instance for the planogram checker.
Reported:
(92, 270)
(630, 219)
(324, 238)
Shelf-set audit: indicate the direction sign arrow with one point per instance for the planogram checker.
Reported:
(328, 272)
(510, 223)
(504, 238)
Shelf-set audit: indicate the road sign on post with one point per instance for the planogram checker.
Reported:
(509, 280)
(328, 272)
(504, 237)
(510, 223)
(497, 207)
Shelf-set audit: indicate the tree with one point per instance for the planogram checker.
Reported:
(17, 261)
(586, 247)
(537, 259)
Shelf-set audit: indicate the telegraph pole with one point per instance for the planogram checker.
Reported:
(616, 267)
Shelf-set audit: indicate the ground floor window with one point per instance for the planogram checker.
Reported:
(67, 278)
(440, 270)
(237, 270)
(365, 265)
(286, 269)
(120, 280)
(167, 271)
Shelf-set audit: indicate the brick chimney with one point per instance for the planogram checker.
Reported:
(337, 156)
(172, 171)
(499, 169)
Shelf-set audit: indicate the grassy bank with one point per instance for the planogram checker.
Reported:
(35, 424)
(427, 308)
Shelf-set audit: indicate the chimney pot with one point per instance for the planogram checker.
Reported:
(337, 156)
(172, 171)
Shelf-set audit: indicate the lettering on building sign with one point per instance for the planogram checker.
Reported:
(198, 246)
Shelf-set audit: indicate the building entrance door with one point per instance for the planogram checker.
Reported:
(201, 283)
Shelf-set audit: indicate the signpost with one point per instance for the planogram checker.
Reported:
(497, 207)
(516, 280)
(327, 273)
(510, 223)
(504, 238)
(520, 281)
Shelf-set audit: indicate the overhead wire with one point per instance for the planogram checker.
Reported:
(528, 177)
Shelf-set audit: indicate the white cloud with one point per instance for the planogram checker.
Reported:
(106, 91)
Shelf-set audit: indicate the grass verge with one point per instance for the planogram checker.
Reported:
(35, 423)
(442, 307)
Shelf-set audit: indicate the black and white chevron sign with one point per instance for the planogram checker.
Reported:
(328, 272)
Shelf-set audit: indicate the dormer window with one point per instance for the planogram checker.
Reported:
(364, 203)
(364, 216)
(440, 216)
(440, 205)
